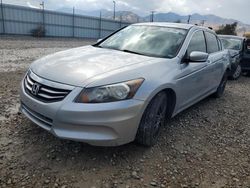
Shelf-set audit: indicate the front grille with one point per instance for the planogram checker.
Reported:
(43, 92)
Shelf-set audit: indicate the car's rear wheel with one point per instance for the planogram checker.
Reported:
(237, 73)
(221, 88)
(152, 120)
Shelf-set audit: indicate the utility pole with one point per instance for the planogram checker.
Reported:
(2, 17)
(100, 25)
(114, 9)
(203, 22)
(152, 16)
(189, 17)
(120, 20)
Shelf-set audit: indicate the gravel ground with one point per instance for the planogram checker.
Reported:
(205, 146)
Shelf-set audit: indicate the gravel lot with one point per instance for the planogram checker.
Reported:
(204, 146)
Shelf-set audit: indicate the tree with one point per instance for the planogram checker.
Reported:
(228, 29)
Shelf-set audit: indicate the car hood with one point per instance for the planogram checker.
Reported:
(77, 65)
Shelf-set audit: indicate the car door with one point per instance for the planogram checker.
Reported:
(194, 80)
(215, 61)
(246, 56)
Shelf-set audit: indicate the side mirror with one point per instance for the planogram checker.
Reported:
(99, 40)
(198, 57)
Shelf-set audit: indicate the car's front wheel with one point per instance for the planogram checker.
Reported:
(152, 120)
(237, 73)
(221, 88)
(246, 73)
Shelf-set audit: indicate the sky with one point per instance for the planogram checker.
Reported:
(236, 9)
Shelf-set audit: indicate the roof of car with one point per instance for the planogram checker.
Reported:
(166, 24)
(174, 25)
(232, 36)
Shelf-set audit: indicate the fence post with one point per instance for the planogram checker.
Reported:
(73, 22)
(100, 25)
(43, 14)
(2, 17)
(120, 21)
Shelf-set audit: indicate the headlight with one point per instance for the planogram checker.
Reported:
(110, 93)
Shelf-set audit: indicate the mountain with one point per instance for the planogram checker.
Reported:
(95, 13)
(208, 20)
(194, 18)
(122, 15)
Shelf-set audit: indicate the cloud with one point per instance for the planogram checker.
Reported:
(237, 9)
(31, 6)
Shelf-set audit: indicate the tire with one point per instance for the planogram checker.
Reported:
(237, 73)
(152, 120)
(221, 88)
(246, 73)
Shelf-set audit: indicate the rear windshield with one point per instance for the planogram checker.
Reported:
(231, 43)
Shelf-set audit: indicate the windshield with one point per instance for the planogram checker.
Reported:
(230, 43)
(147, 40)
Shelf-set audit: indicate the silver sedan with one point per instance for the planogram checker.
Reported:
(124, 87)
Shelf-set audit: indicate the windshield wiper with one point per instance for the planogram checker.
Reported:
(97, 46)
(129, 51)
(150, 55)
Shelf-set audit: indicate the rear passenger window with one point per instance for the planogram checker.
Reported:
(212, 43)
(197, 43)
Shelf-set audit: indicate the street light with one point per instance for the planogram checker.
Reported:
(114, 8)
(42, 5)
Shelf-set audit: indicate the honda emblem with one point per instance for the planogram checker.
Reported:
(35, 88)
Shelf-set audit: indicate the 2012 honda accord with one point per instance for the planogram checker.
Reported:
(124, 87)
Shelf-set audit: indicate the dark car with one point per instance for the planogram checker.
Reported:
(235, 46)
(245, 64)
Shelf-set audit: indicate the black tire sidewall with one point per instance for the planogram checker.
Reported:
(220, 90)
(236, 77)
(145, 131)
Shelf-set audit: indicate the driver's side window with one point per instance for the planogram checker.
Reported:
(197, 43)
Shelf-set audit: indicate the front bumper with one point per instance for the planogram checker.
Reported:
(104, 124)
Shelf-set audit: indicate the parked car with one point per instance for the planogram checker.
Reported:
(124, 87)
(246, 58)
(235, 46)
